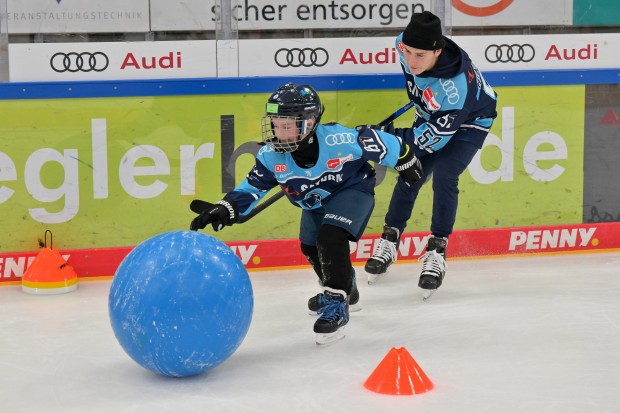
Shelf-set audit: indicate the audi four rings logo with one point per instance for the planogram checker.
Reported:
(510, 53)
(339, 139)
(305, 57)
(79, 62)
(452, 92)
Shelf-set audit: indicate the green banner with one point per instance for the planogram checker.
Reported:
(104, 172)
(596, 13)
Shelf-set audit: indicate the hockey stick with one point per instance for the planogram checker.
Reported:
(199, 206)
(396, 114)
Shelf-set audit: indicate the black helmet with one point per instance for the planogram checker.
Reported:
(297, 102)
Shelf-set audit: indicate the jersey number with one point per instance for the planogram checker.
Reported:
(427, 140)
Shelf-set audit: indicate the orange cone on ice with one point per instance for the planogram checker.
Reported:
(49, 273)
(398, 374)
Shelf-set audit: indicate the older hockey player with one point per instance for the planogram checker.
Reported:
(324, 169)
(455, 108)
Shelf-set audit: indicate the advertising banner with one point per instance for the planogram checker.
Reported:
(476, 13)
(318, 56)
(543, 52)
(103, 172)
(285, 253)
(378, 54)
(67, 16)
(167, 15)
(295, 57)
(35, 62)
(114, 16)
(359, 15)
(601, 198)
(599, 12)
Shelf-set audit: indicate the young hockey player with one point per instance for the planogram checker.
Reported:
(455, 108)
(324, 169)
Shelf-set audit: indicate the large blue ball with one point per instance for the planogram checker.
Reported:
(180, 303)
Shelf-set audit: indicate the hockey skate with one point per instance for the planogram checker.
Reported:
(333, 317)
(384, 255)
(433, 266)
(318, 301)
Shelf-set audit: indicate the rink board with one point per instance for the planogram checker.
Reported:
(273, 254)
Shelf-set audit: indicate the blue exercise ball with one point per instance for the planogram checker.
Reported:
(180, 303)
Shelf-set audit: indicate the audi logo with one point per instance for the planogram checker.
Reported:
(339, 139)
(305, 57)
(452, 92)
(79, 62)
(509, 53)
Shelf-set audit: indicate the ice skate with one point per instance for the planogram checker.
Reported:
(318, 301)
(333, 317)
(384, 255)
(433, 266)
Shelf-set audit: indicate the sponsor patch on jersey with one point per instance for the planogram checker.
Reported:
(429, 98)
(336, 162)
(401, 46)
(279, 167)
(470, 76)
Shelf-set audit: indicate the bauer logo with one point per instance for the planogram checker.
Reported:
(551, 239)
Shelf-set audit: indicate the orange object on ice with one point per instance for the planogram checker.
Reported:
(398, 374)
(49, 273)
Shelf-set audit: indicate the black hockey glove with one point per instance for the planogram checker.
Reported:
(389, 128)
(219, 215)
(409, 167)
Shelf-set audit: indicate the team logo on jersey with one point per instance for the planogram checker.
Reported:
(279, 167)
(336, 162)
(430, 100)
(312, 200)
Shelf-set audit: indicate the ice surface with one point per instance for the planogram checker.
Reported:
(527, 334)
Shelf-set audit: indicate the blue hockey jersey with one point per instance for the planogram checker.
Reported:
(342, 163)
(451, 95)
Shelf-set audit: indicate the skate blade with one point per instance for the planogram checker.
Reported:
(373, 278)
(427, 294)
(323, 339)
(353, 308)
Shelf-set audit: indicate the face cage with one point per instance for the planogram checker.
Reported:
(270, 138)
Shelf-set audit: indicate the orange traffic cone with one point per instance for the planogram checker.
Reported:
(398, 374)
(49, 273)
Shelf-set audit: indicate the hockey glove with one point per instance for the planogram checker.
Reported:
(409, 167)
(219, 215)
(389, 128)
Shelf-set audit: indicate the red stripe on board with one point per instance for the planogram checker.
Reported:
(285, 253)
